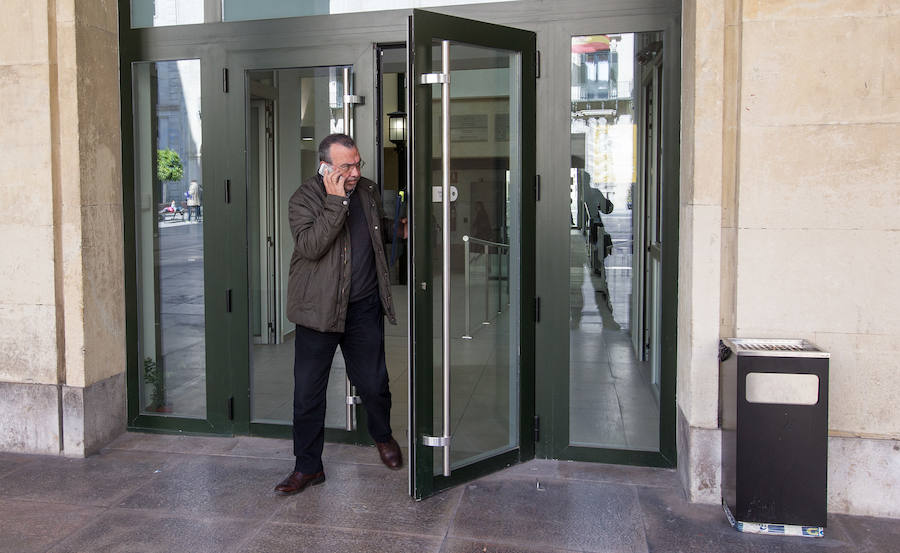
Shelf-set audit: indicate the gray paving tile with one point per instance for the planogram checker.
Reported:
(370, 497)
(597, 472)
(130, 532)
(12, 461)
(214, 485)
(97, 480)
(34, 526)
(593, 427)
(315, 539)
(174, 443)
(457, 545)
(354, 454)
(583, 516)
(269, 448)
(870, 535)
(673, 524)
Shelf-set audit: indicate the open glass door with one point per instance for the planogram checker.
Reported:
(472, 92)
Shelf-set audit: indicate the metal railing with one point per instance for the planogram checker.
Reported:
(487, 275)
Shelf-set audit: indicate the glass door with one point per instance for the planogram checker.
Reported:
(279, 104)
(178, 383)
(288, 112)
(472, 92)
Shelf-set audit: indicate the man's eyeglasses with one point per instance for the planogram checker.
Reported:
(344, 167)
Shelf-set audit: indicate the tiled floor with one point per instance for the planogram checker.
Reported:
(611, 400)
(158, 493)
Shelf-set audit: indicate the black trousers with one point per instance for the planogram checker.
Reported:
(362, 344)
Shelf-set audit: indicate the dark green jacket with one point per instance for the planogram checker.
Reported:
(319, 277)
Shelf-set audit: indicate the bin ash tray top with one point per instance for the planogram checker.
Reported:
(774, 347)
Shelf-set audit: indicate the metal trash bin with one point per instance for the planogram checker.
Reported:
(774, 419)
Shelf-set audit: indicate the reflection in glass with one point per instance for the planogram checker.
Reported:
(289, 112)
(613, 400)
(485, 173)
(158, 13)
(169, 236)
(162, 13)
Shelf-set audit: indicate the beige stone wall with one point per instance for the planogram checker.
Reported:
(790, 189)
(818, 192)
(62, 303)
(700, 213)
(99, 318)
(28, 325)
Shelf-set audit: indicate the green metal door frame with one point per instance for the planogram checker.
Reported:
(425, 27)
(239, 63)
(269, 44)
(553, 331)
(213, 43)
(134, 49)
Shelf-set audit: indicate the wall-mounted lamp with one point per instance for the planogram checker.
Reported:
(397, 127)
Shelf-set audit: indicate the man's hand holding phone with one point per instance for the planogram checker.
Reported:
(334, 180)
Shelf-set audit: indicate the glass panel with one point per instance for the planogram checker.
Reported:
(243, 10)
(613, 400)
(238, 10)
(485, 176)
(392, 76)
(289, 112)
(169, 236)
(159, 13)
(162, 13)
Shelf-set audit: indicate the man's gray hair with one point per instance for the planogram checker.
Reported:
(336, 138)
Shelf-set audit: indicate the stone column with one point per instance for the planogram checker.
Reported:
(62, 312)
(705, 161)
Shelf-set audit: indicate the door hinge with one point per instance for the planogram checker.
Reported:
(537, 428)
(537, 310)
(228, 300)
(537, 188)
(537, 64)
(227, 191)
(229, 408)
(225, 80)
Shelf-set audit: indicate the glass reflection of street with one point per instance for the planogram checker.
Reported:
(181, 314)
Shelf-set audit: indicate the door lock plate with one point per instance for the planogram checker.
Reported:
(435, 78)
(436, 441)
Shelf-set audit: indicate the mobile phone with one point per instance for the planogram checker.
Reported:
(324, 169)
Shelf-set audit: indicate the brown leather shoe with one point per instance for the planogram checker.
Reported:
(296, 482)
(390, 454)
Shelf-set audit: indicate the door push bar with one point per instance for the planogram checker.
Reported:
(443, 78)
(349, 389)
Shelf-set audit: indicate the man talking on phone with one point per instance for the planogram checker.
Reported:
(338, 295)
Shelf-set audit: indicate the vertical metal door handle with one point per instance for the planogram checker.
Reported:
(345, 103)
(443, 78)
(445, 204)
(348, 388)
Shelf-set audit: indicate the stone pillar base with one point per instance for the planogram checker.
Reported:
(699, 461)
(61, 420)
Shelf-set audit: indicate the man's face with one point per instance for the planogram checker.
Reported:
(346, 162)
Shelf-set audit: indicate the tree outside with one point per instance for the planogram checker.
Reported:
(169, 168)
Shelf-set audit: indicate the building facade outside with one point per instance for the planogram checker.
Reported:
(787, 224)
